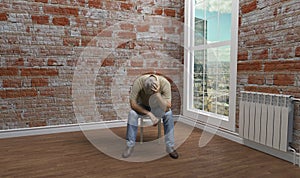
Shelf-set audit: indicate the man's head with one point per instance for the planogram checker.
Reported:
(151, 84)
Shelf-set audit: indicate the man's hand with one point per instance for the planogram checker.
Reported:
(153, 118)
(155, 87)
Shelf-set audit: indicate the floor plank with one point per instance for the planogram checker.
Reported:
(73, 155)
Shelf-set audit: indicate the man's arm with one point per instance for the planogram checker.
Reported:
(141, 110)
(163, 103)
(137, 108)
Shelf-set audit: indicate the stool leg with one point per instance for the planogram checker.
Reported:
(159, 130)
(141, 131)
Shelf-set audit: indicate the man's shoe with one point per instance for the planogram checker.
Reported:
(128, 151)
(172, 152)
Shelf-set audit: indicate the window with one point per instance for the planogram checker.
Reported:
(210, 60)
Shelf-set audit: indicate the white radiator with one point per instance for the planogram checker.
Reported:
(266, 119)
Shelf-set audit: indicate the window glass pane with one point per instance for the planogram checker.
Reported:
(212, 21)
(200, 31)
(200, 78)
(200, 9)
(225, 20)
(212, 8)
(223, 80)
(200, 23)
(212, 24)
(211, 80)
(210, 102)
(212, 29)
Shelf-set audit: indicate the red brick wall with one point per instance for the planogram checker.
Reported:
(268, 50)
(42, 43)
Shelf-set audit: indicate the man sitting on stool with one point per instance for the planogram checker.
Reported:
(150, 91)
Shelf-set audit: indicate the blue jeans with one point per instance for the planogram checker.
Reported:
(132, 126)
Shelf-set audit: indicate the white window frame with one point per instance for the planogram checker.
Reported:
(226, 122)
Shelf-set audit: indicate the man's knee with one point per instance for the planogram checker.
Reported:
(169, 114)
(132, 117)
(132, 114)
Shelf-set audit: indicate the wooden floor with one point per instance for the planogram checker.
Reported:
(73, 155)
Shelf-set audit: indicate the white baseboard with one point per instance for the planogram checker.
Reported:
(288, 156)
(219, 131)
(10, 133)
(60, 128)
